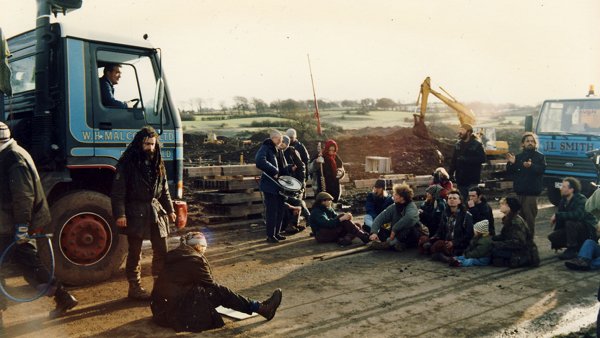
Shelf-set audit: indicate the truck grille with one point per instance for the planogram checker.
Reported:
(578, 166)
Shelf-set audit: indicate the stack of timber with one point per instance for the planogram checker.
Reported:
(228, 193)
(417, 182)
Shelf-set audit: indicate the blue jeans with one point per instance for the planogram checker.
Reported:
(368, 220)
(483, 261)
(591, 250)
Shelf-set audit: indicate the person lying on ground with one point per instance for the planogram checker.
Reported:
(480, 249)
(329, 226)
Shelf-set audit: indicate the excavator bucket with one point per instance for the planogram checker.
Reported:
(419, 128)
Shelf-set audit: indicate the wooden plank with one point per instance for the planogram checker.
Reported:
(201, 171)
(227, 185)
(244, 169)
(228, 197)
(337, 254)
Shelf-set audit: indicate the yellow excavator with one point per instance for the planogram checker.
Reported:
(464, 114)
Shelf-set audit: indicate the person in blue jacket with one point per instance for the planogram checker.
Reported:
(271, 161)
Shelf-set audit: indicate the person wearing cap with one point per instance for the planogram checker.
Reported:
(454, 232)
(572, 223)
(271, 161)
(402, 218)
(300, 148)
(479, 251)
(480, 209)
(23, 209)
(514, 246)
(527, 170)
(186, 294)
(333, 170)
(295, 206)
(377, 201)
(329, 226)
(467, 159)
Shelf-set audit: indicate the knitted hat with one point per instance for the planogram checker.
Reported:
(467, 127)
(513, 204)
(482, 226)
(4, 133)
(194, 238)
(291, 132)
(323, 196)
(434, 190)
(379, 184)
(286, 140)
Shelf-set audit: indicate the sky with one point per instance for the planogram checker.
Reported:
(490, 51)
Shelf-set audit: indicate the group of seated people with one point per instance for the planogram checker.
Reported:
(460, 231)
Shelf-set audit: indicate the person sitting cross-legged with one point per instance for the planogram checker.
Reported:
(329, 226)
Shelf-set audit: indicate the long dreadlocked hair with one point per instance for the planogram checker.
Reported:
(134, 155)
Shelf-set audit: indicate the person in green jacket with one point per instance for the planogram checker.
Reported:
(572, 223)
(329, 226)
(479, 251)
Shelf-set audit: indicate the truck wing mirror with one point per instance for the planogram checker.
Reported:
(159, 96)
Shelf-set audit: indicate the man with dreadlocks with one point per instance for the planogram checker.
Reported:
(142, 205)
(185, 294)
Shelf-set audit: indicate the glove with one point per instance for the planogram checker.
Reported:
(21, 233)
(320, 159)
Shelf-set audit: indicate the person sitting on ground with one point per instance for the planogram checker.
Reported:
(480, 209)
(514, 246)
(572, 224)
(454, 233)
(294, 204)
(431, 211)
(377, 201)
(588, 257)
(441, 178)
(185, 294)
(398, 225)
(329, 226)
(480, 249)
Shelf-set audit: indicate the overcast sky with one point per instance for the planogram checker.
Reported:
(492, 51)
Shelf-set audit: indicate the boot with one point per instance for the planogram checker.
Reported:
(345, 241)
(137, 292)
(268, 308)
(579, 263)
(291, 229)
(570, 253)
(363, 236)
(64, 302)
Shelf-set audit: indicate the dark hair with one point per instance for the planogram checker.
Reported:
(404, 190)
(514, 205)
(477, 190)
(455, 192)
(109, 67)
(134, 155)
(573, 184)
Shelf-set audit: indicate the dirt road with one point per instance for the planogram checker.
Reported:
(384, 294)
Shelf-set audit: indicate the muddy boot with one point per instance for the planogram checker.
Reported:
(579, 263)
(570, 253)
(363, 236)
(137, 292)
(268, 308)
(64, 302)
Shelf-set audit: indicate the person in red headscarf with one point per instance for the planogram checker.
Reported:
(333, 170)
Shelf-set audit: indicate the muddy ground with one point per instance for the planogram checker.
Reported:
(383, 294)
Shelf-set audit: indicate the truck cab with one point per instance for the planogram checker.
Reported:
(76, 140)
(568, 130)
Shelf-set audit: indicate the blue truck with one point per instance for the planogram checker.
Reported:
(56, 113)
(569, 133)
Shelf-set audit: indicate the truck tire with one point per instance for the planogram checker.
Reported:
(87, 246)
(554, 195)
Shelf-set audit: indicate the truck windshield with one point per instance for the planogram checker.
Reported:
(570, 117)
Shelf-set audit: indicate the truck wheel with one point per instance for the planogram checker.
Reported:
(554, 195)
(87, 246)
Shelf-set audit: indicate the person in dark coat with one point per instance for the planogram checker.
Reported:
(300, 148)
(479, 251)
(295, 206)
(467, 159)
(454, 233)
(111, 77)
(329, 226)
(377, 201)
(572, 223)
(527, 171)
(271, 161)
(514, 246)
(480, 209)
(333, 170)
(185, 294)
(23, 209)
(432, 209)
(142, 205)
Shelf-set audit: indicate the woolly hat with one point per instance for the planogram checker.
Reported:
(379, 184)
(434, 190)
(286, 140)
(482, 226)
(323, 196)
(194, 238)
(4, 133)
(291, 133)
(513, 204)
(467, 127)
